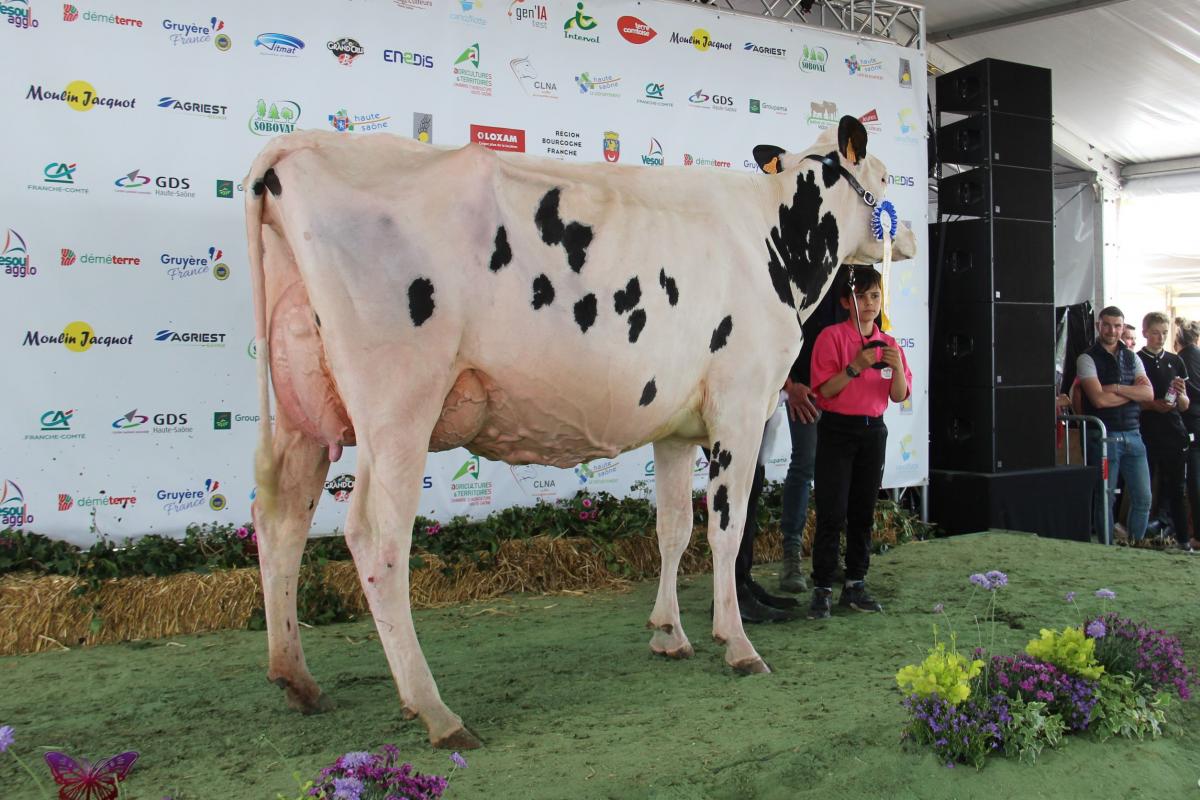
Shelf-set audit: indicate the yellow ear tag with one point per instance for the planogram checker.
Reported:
(851, 156)
(772, 166)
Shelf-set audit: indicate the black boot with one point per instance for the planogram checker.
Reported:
(767, 599)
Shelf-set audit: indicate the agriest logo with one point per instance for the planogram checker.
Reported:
(193, 108)
(190, 338)
(764, 50)
(511, 140)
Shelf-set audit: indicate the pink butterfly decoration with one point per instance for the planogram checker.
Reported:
(87, 781)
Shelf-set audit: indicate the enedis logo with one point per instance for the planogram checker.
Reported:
(701, 40)
(79, 95)
(190, 338)
(68, 259)
(14, 513)
(466, 486)
(15, 256)
(413, 59)
(71, 14)
(579, 25)
(281, 116)
(189, 33)
(193, 107)
(179, 500)
(77, 337)
(179, 266)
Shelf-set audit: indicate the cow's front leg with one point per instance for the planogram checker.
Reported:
(673, 485)
(379, 533)
(731, 471)
(301, 465)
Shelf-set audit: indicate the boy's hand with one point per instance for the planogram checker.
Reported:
(891, 357)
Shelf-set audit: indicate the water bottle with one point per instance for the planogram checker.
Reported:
(1172, 396)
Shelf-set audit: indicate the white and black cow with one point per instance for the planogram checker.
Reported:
(410, 298)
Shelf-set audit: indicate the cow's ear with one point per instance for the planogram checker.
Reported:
(767, 158)
(852, 139)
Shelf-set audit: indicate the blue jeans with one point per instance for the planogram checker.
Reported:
(1126, 458)
(798, 483)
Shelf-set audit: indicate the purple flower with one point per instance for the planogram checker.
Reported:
(1106, 594)
(587, 503)
(242, 533)
(356, 759)
(458, 760)
(583, 515)
(1096, 629)
(6, 738)
(434, 529)
(979, 580)
(1070, 598)
(347, 789)
(996, 579)
(938, 608)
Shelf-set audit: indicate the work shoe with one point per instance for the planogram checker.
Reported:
(791, 579)
(766, 598)
(822, 603)
(854, 595)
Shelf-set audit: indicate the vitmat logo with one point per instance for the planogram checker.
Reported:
(612, 147)
(580, 26)
(822, 113)
(871, 68)
(654, 156)
(531, 84)
(764, 50)
(55, 425)
(870, 121)
(465, 15)
(77, 337)
(599, 86)
(654, 95)
(180, 266)
(536, 15)
(278, 44)
(78, 95)
(343, 121)
(193, 108)
(813, 58)
(423, 127)
(280, 116)
(58, 176)
(697, 161)
(511, 140)
(183, 34)
(701, 40)
(634, 30)
(413, 59)
(467, 487)
(340, 487)
(345, 49)
(563, 144)
(14, 513)
(14, 257)
(190, 338)
(176, 501)
(71, 14)
(68, 259)
(472, 78)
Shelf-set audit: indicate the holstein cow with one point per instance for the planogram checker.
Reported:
(410, 298)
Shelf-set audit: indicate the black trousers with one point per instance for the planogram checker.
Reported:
(1167, 466)
(1193, 487)
(745, 557)
(850, 455)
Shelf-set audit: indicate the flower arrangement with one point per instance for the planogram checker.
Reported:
(362, 775)
(1109, 676)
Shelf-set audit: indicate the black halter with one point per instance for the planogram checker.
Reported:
(863, 194)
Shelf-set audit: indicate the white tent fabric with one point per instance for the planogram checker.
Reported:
(1074, 244)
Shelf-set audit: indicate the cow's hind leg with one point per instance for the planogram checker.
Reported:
(379, 532)
(733, 459)
(673, 479)
(301, 465)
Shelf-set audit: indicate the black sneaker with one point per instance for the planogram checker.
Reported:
(822, 603)
(854, 595)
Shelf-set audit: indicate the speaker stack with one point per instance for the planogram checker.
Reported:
(992, 410)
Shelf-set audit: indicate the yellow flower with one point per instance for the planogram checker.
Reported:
(947, 674)
(1071, 651)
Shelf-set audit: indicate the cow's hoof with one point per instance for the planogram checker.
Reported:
(407, 713)
(307, 701)
(751, 666)
(683, 651)
(669, 642)
(461, 739)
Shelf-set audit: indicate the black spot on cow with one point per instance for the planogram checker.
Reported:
(549, 224)
(720, 504)
(802, 249)
(668, 285)
(585, 312)
(543, 291)
(648, 393)
(637, 321)
(629, 297)
(721, 335)
(317, 317)
(503, 253)
(829, 169)
(272, 182)
(718, 460)
(576, 239)
(257, 188)
(420, 300)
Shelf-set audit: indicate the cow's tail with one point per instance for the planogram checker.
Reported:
(266, 469)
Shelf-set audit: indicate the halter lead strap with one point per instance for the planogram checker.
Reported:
(863, 194)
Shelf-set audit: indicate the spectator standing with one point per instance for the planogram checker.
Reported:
(1187, 334)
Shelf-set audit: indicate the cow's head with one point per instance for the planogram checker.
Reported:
(830, 194)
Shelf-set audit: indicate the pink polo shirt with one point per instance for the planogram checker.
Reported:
(866, 395)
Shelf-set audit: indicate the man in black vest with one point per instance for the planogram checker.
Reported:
(1114, 382)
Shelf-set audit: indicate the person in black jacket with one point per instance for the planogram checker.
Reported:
(1187, 334)
(1162, 427)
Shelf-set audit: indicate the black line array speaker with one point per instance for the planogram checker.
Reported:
(1002, 260)
(995, 344)
(1011, 192)
(991, 429)
(1037, 500)
(992, 85)
(997, 140)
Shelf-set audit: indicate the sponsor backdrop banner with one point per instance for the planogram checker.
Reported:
(131, 405)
